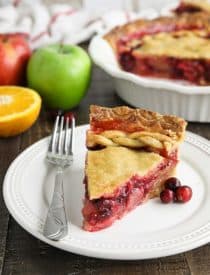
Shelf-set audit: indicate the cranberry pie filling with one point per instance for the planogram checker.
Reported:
(102, 212)
(168, 47)
(177, 55)
(131, 152)
(195, 71)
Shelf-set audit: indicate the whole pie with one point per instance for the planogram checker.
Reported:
(131, 152)
(176, 47)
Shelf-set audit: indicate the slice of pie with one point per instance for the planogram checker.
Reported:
(131, 152)
(192, 6)
(175, 47)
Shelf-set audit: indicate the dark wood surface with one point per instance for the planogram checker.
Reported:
(22, 254)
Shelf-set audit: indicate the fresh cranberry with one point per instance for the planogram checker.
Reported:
(172, 183)
(183, 193)
(167, 196)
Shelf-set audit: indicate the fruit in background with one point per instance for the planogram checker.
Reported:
(61, 74)
(14, 53)
(19, 109)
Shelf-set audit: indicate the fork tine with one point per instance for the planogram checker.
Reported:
(52, 143)
(66, 137)
(71, 144)
(60, 134)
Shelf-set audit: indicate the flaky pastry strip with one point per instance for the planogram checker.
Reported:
(134, 140)
(128, 142)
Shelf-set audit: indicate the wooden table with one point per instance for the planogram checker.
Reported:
(22, 254)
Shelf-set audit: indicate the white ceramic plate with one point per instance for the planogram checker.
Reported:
(151, 230)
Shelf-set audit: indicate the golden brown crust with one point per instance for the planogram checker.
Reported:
(185, 20)
(181, 44)
(136, 140)
(112, 167)
(133, 120)
(120, 31)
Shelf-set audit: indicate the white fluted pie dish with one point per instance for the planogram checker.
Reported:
(166, 96)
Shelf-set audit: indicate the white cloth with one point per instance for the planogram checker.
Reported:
(54, 23)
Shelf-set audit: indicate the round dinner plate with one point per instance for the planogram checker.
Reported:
(151, 230)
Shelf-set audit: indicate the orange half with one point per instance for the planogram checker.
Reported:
(19, 109)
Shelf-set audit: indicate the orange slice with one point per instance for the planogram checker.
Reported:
(19, 109)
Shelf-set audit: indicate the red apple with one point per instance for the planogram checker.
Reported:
(14, 55)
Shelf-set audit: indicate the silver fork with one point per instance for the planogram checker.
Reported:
(60, 153)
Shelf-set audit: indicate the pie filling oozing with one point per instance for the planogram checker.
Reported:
(131, 152)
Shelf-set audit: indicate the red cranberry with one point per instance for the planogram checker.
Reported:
(172, 183)
(183, 193)
(167, 196)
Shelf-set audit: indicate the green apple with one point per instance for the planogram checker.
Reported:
(60, 74)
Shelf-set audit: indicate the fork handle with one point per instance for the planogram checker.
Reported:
(55, 227)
